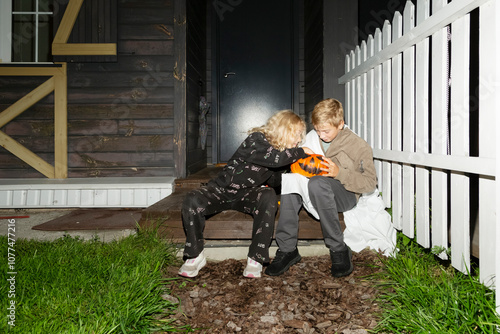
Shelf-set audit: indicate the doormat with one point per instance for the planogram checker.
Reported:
(93, 219)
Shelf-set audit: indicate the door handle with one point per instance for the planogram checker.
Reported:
(228, 74)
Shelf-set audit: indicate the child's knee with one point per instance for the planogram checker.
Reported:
(315, 183)
(192, 200)
(268, 195)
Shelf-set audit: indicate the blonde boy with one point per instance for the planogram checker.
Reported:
(350, 172)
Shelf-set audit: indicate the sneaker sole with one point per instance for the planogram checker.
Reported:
(193, 273)
(251, 275)
(282, 271)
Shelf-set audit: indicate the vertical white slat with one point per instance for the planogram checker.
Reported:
(422, 130)
(348, 92)
(164, 192)
(369, 94)
(140, 197)
(362, 93)
(19, 197)
(5, 197)
(357, 95)
(387, 116)
(397, 209)
(8, 198)
(409, 124)
(495, 105)
(47, 197)
(33, 198)
(153, 196)
(114, 198)
(489, 104)
(87, 198)
(377, 106)
(352, 109)
(459, 130)
(60, 197)
(74, 197)
(127, 197)
(439, 136)
(100, 197)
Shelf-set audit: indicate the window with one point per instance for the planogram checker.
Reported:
(27, 31)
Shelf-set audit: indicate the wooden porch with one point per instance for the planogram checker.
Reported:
(228, 225)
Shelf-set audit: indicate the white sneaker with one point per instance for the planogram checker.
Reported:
(191, 267)
(253, 269)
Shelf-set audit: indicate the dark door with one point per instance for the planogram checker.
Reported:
(255, 67)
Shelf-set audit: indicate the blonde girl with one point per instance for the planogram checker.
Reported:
(241, 185)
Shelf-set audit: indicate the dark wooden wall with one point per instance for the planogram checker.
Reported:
(120, 114)
(313, 55)
(196, 83)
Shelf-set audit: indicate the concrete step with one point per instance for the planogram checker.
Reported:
(219, 250)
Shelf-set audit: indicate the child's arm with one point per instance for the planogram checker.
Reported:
(257, 150)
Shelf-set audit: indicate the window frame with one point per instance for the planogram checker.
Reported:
(5, 31)
(6, 19)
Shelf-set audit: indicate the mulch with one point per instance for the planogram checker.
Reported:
(306, 299)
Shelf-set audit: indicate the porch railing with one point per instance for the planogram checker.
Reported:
(408, 94)
(57, 83)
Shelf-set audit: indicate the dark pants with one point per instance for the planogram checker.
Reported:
(329, 197)
(260, 202)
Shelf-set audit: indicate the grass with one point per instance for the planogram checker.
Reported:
(75, 286)
(422, 294)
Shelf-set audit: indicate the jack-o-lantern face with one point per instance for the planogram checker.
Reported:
(309, 166)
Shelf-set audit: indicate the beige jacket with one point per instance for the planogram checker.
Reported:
(354, 157)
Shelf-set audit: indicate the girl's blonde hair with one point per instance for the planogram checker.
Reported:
(280, 127)
(328, 111)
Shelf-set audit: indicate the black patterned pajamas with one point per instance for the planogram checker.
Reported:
(260, 202)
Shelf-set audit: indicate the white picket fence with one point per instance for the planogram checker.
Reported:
(423, 171)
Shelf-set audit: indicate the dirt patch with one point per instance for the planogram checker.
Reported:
(306, 299)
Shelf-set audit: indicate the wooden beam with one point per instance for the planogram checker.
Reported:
(84, 49)
(68, 21)
(61, 124)
(26, 155)
(28, 71)
(60, 46)
(27, 101)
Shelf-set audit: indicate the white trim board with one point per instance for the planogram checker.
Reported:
(109, 192)
(5, 31)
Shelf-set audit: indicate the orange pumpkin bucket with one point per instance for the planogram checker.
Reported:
(308, 166)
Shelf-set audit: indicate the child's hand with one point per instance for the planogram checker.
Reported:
(331, 168)
(307, 150)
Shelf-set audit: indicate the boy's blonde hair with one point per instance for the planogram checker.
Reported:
(280, 127)
(328, 111)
